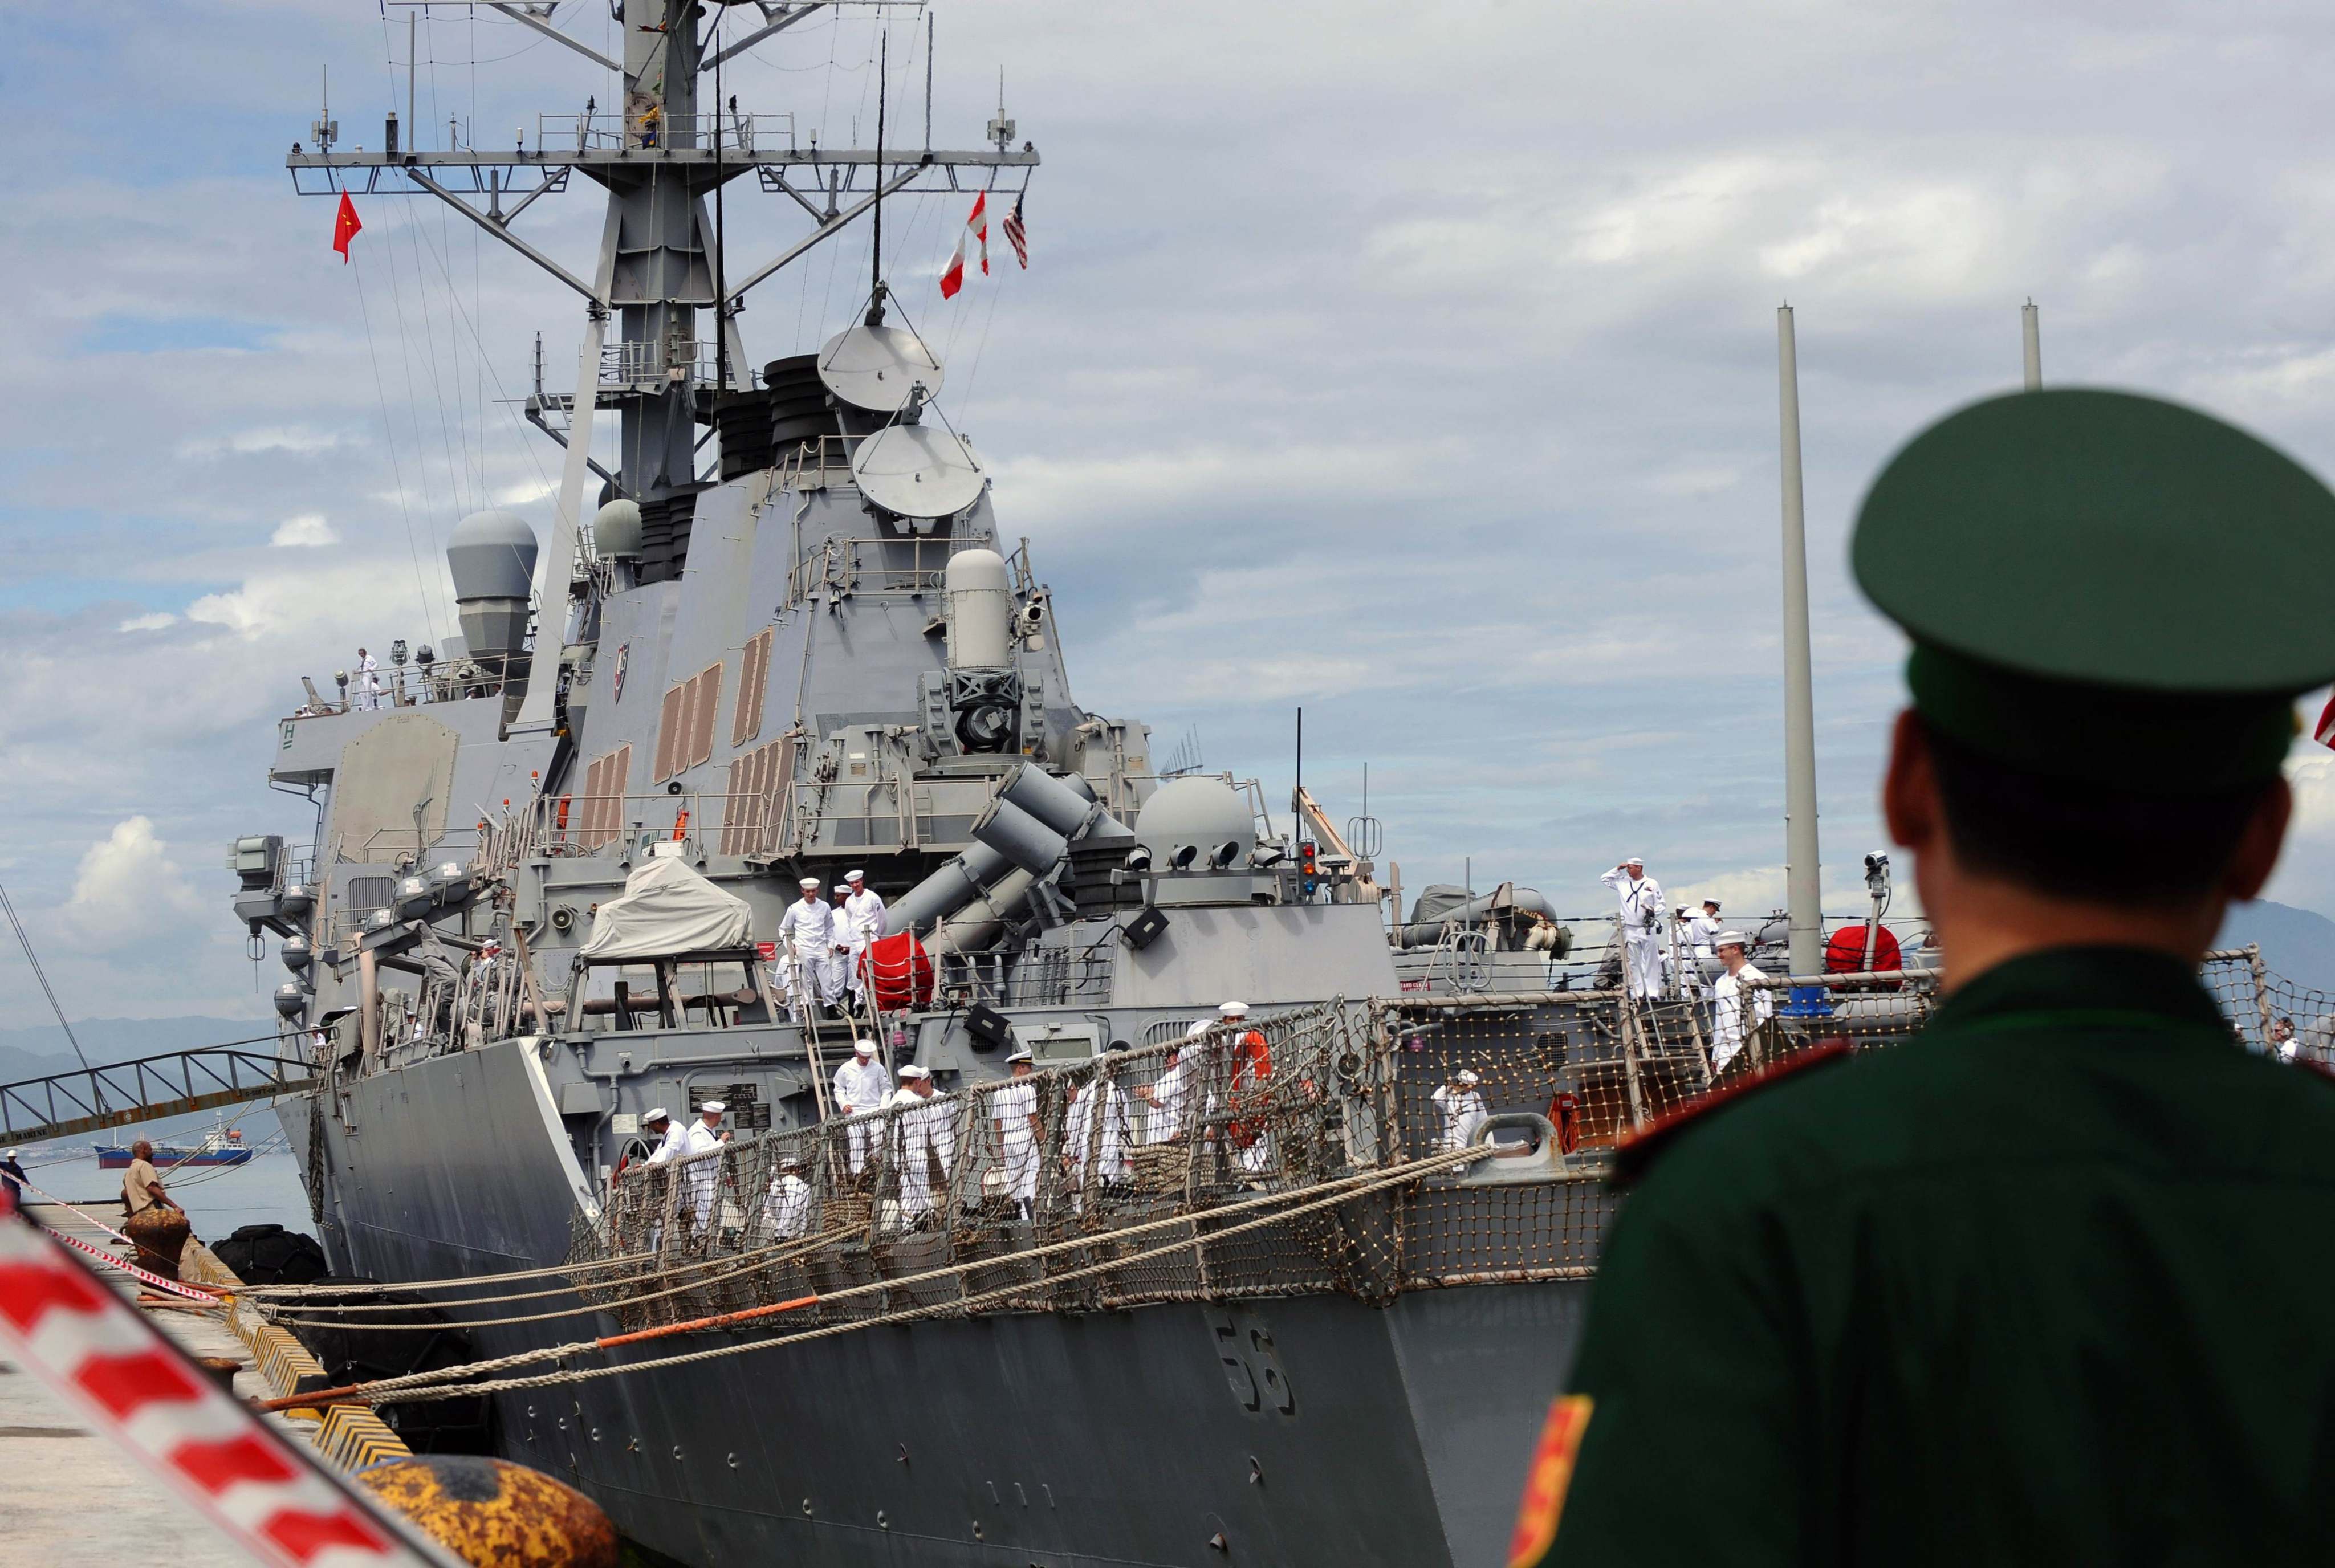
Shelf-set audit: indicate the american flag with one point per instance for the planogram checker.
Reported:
(1017, 235)
(2324, 734)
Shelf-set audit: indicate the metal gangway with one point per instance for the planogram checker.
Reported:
(124, 1092)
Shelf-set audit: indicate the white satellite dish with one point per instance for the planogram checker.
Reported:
(918, 471)
(877, 367)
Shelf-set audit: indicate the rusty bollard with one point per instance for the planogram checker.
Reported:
(492, 1512)
(161, 1235)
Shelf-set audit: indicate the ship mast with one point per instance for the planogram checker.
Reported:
(660, 158)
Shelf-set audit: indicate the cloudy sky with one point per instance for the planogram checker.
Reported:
(1413, 364)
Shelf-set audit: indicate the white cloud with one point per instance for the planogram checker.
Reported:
(157, 621)
(296, 439)
(306, 531)
(129, 891)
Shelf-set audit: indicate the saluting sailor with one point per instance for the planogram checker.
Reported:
(1641, 920)
(863, 922)
(1730, 994)
(1463, 1108)
(2053, 1282)
(861, 1085)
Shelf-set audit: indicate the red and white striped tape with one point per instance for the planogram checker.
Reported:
(63, 1323)
(134, 1271)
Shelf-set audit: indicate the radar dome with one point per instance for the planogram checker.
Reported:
(1201, 813)
(491, 555)
(616, 530)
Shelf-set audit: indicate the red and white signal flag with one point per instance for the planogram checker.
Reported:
(976, 224)
(62, 1323)
(1017, 235)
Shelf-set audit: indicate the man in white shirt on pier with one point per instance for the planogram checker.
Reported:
(1729, 1025)
(1642, 922)
(861, 1085)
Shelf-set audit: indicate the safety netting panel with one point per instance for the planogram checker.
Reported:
(1367, 1149)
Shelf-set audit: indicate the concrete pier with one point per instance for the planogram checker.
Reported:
(71, 1499)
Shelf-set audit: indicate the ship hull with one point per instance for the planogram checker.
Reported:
(1303, 1430)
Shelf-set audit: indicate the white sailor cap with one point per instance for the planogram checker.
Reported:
(1234, 1010)
(790, 1162)
(1633, 860)
(657, 1113)
(808, 884)
(1021, 1055)
(1729, 939)
(911, 1070)
(864, 1047)
(840, 887)
(855, 877)
(1466, 1075)
(715, 1106)
(1200, 1026)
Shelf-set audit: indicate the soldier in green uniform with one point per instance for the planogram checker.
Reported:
(2054, 1281)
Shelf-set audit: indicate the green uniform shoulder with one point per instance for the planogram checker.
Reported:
(1635, 1154)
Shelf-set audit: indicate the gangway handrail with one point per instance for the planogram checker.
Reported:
(120, 1093)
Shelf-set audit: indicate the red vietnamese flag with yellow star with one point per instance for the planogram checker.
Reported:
(345, 227)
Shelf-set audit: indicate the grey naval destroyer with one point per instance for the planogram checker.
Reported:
(1217, 1290)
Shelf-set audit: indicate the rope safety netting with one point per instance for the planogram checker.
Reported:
(1333, 1148)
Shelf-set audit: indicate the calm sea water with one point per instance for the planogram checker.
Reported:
(264, 1190)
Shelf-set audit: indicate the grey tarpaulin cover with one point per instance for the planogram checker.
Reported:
(667, 907)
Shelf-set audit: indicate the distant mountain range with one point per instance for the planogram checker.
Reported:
(39, 1050)
(2296, 944)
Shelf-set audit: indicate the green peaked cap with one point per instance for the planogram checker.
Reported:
(2104, 586)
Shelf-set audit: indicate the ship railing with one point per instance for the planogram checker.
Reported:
(393, 687)
(872, 563)
(2266, 1012)
(597, 133)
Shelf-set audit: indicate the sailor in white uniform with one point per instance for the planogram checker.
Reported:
(1642, 921)
(1097, 1096)
(861, 1085)
(1728, 1024)
(1702, 928)
(1462, 1105)
(1014, 1111)
(920, 1134)
(705, 1135)
(671, 1139)
(368, 680)
(807, 930)
(863, 922)
(786, 1209)
(1167, 1098)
